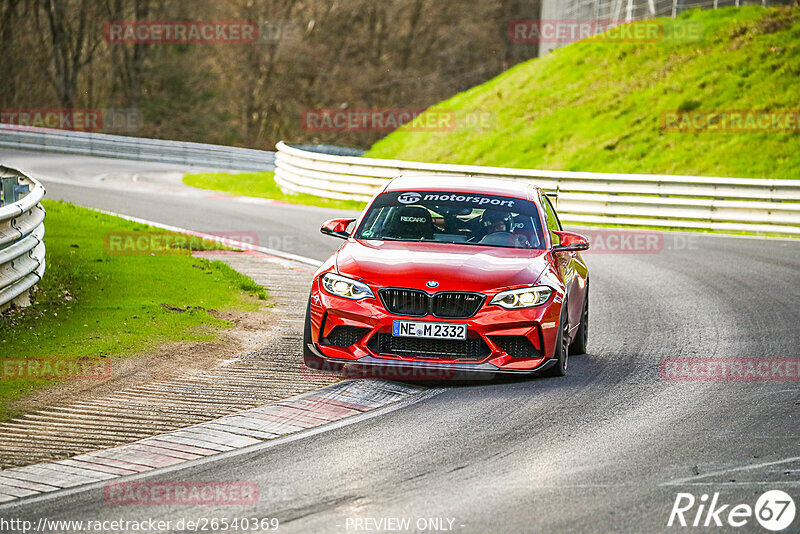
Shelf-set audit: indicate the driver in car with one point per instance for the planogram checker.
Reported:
(493, 221)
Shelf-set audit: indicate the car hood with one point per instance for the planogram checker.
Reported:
(454, 267)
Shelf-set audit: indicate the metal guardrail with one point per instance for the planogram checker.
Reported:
(752, 205)
(22, 251)
(332, 149)
(136, 148)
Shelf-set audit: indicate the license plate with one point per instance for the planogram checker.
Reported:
(429, 330)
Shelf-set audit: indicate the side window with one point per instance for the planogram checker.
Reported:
(553, 223)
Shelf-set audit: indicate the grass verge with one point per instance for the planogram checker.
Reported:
(262, 185)
(100, 306)
(599, 106)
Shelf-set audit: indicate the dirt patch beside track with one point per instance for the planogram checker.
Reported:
(249, 333)
(258, 361)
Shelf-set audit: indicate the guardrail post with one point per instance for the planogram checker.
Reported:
(9, 190)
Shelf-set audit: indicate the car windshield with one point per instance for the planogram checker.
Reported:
(456, 218)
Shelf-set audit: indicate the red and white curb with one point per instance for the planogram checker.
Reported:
(235, 431)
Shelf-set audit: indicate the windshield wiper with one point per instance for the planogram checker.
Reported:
(393, 239)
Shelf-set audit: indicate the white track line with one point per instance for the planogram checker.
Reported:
(687, 480)
(225, 241)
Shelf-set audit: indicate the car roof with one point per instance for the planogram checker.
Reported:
(464, 184)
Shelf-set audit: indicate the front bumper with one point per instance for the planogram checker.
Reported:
(497, 337)
(418, 370)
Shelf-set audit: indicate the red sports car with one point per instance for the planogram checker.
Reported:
(461, 274)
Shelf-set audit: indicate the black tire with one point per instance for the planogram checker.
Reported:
(562, 346)
(312, 361)
(578, 346)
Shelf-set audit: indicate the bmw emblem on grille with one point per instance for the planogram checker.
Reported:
(432, 284)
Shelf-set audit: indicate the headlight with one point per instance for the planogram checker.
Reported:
(345, 287)
(526, 297)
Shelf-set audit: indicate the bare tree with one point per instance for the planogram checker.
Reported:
(70, 37)
(127, 60)
(345, 54)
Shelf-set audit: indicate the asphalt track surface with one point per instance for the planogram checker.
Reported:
(606, 448)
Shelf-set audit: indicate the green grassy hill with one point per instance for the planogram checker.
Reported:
(598, 106)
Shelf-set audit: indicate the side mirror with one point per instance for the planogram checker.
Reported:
(571, 242)
(337, 228)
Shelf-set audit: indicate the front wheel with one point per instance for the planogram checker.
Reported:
(562, 345)
(312, 361)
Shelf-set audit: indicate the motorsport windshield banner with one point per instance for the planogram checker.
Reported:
(456, 200)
